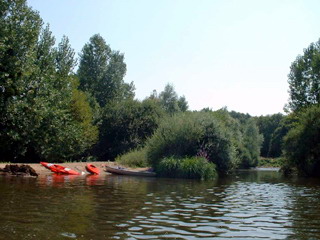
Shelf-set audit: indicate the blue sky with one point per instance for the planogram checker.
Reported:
(231, 53)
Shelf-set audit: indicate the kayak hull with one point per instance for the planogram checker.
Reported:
(92, 169)
(59, 169)
(122, 171)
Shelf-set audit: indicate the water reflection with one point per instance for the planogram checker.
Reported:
(248, 205)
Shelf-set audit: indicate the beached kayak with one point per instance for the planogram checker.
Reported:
(59, 169)
(124, 171)
(92, 169)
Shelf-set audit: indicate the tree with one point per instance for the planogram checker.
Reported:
(267, 126)
(302, 143)
(183, 104)
(37, 116)
(19, 28)
(101, 72)
(276, 141)
(126, 125)
(304, 79)
(169, 99)
(252, 142)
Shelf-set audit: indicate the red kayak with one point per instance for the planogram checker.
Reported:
(92, 169)
(59, 169)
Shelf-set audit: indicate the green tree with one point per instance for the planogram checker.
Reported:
(276, 141)
(183, 104)
(37, 97)
(19, 28)
(267, 126)
(126, 125)
(304, 78)
(302, 143)
(101, 72)
(252, 142)
(169, 99)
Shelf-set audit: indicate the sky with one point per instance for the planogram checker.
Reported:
(217, 53)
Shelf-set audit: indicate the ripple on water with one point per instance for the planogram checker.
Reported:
(135, 208)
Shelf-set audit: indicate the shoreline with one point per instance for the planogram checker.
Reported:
(77, 166)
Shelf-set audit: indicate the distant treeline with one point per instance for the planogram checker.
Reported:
(50, 112)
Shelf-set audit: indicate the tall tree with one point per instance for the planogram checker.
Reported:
(101, 72)
(37, 120)
(183, 104)
(252, 142)
(304, 78)
(267, 126)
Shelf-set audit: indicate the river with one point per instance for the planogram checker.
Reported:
(256, 204)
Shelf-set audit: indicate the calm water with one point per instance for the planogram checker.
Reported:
(249, 205)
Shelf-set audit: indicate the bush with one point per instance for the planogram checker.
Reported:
(270, 162)
(135, 158)
(302, 143)
(125, 126)
(195, 167)
(186, 134)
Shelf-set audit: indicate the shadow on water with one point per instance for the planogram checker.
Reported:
(248, 205)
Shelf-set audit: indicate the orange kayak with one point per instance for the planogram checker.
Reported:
(92, 169)
(59, 169)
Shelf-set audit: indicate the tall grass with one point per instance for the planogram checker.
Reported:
(194, 167)
(134, 158)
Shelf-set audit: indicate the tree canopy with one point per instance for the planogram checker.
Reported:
(304, 78)
(37, 94)
(101, 72)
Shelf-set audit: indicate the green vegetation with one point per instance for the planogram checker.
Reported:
(187, 135)
(49, 112)
(304, 81)
(38, 114)
(135, 158)
(302, 141)
(302, 145)
(194, 167)
(267, 127)
(270, 162)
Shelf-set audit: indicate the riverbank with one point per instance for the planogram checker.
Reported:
(78, 166)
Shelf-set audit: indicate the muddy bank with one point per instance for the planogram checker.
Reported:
(77, 166)
(18, 170)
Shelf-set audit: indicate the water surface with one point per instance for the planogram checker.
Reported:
(249, 205)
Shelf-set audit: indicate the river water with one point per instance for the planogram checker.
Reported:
(249, 205)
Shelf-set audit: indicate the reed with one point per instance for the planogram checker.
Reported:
(193, 167)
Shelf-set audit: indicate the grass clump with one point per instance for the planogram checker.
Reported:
(135, 158)
(194, 168)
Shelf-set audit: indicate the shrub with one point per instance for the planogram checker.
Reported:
(302, 143)
(134, 158)
(186, 134)
(194, 167)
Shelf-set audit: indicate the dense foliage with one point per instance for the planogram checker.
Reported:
(190, 134)
(267, 127)
(101, 72)
(304, 78)
(302, 143)
(38, 117)
(126, 125)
